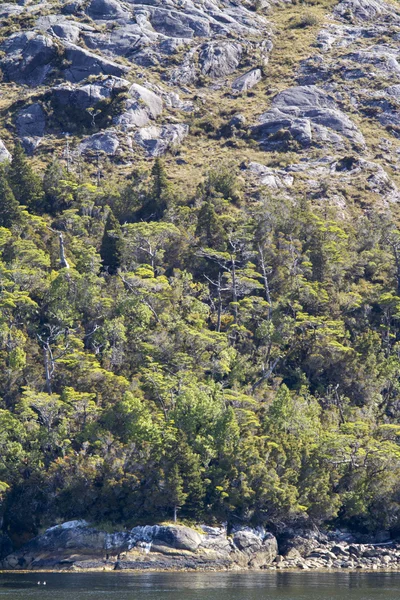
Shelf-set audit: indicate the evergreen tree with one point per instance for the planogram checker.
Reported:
(110, 245)
(10, 212)
(174, 489)
(209, 229)
(25, 183)
(157, 200)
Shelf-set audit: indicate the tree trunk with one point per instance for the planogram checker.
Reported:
(63, 261)
(47, 370)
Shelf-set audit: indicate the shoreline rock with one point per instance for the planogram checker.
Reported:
(76, 545)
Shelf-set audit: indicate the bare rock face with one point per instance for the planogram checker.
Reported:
(75, 544)
(142, 106)
(29, 57)
(220, 59)
(31, 121)
(261, 547)
(364, 10)
(107, 9)
(247, 81)
(156, 140)
(181, 538)
(4, 153)
(306, 115)
(84, 63)
(87, 95)
(107, 143)
(78, 54)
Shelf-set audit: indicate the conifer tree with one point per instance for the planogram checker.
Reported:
(156, 202)
(209, 229)
(25, 183)
(110, 245)
(10, 212)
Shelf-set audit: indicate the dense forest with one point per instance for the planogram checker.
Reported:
(226, 356)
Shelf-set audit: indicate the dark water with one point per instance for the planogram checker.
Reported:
(201, 586)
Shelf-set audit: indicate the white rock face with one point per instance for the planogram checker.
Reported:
(4, 153)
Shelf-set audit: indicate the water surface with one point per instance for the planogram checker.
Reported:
(200, 586)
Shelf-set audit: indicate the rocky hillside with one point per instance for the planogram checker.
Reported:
(200, 267)
(304, 96)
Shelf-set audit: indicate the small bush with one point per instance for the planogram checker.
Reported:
(306, 20)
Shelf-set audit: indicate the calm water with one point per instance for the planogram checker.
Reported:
(201, 586)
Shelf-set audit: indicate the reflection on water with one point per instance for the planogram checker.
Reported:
(201, 586)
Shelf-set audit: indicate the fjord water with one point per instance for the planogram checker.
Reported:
(200, 586)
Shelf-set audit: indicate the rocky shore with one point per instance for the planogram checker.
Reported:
(76, 545)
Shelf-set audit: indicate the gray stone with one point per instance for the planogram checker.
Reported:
(365, 10)
(306, 115)
(179, 537)
(6, 546)
(247, 81)
(261, 547)
(28, 57)
(272, 178)
(88, 95)
(106, 9)
(126, 40)
(142, 106)
(218, 59)
(84, 63)
(66, 31)
(7, 10)
(157, 140)
(31, 121)
(107, 143)
(303, 545)
(74, 7)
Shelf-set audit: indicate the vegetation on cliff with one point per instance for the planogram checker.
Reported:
(224, 354)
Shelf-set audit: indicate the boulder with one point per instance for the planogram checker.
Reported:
(107, 143)
(73, 8)
(123, 40)
(247, 81)
(175, 536)
(218, 59)
(66, 31)
(142, 106)
(272, 178)
(260, 547)
(8, 10)
(106, 9)
(172, 547)
(303, 545)
(157, 140)
(31, 121)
